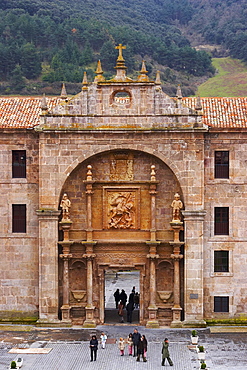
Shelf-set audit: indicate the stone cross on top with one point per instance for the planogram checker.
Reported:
(120, 47)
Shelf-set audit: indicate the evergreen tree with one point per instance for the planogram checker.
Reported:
(30, 61)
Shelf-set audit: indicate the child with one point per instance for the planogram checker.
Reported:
(103, 338)
(130, 344)
(121, 346)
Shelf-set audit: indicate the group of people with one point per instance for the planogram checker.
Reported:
(137, 347)
(121, 300)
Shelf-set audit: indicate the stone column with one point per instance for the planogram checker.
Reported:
(65, 307)
(152, 256)
(193, 277)
(176, 309)
(65, 225)
(89, 193)
(152, 308)
(48, 265)
(89, 255)
(153, 192)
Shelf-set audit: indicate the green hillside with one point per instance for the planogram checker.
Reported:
(230, 79)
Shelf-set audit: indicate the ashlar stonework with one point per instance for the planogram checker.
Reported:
(121, 176)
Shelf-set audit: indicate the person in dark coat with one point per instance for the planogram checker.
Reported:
(136, 339)
(123, 297)
(129, 309)
(142, 349)
(94, 347)
(116, 297)
(165, 353)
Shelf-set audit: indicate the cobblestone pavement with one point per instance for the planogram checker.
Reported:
(224, 350)
(226, 347)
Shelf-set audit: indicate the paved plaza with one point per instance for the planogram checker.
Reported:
(70, 350)
(226, 347)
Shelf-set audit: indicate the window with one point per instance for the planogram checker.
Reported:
(221, 165)
(18, 218)
(18, 163)
(221, 261)
(221, 304)
(221, 221)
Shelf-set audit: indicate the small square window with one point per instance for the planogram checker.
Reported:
(18, 163)
(221, 221)
(221, 304)
(19, 218)
(221, 165)
(221, 261)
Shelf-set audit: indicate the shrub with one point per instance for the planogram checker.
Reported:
(201, 348)
(194, 333)
(13, 365)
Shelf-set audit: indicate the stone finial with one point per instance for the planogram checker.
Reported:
(89, 173)
(157, 79)
(176, 205)
(63, 92)
(143, 76)
(198, 105)
(153, 173)
(99, 73)
(44, 106)
(84, 81)
(179, 93)
(65, 205)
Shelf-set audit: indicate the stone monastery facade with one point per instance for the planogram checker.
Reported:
(123, 177)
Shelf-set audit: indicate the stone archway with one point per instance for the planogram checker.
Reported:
(119, 218)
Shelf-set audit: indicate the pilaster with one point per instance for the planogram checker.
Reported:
(48, 265)
(193, 300)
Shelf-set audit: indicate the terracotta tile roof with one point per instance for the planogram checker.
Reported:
(23, 112)
(222, 112)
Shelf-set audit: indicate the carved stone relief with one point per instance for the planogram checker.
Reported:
(121, 167)
(121, 208)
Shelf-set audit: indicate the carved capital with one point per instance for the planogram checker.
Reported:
(65, 256)
(177, 257)
(153, 256)
(89, 256)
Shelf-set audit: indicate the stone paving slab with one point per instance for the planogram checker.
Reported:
(71, 356)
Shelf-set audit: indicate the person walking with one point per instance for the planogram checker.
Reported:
(123, 297)
(130, 343)
(121, 346)
(136, 300)
(136, 339)
(117, 297)
(121, 312)
(142, 348)
(165, 353)
(129, 309)
(94, 347)
(145, 346)
(103, 339)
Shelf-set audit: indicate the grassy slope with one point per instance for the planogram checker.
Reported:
(231, 79)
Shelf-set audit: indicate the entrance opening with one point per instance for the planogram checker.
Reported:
(123, 280)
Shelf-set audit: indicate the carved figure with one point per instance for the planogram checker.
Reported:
(176, 205)
(65, 205)
(121, 214)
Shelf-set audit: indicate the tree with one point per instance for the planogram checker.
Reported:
(17, 79)
(30, 61)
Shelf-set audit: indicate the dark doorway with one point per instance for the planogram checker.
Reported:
(122, 280)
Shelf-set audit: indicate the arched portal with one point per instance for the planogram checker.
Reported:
(119, 218)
